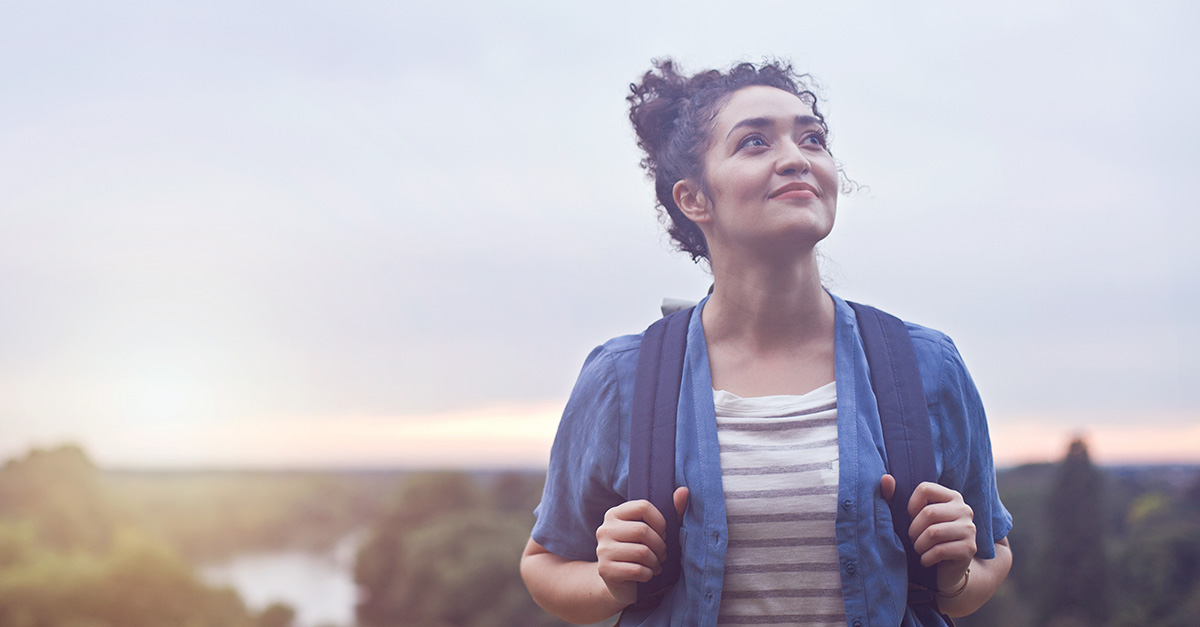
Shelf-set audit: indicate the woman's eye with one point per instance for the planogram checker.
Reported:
(814, 139)
(752, 141)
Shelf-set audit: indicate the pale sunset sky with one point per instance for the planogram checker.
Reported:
(388, 233)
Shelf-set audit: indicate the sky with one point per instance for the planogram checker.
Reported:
(388, 233)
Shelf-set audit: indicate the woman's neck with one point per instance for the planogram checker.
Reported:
(767, 305)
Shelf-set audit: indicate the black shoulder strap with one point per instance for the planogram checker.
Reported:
(895, 380)
(652, 437)
(907, 438)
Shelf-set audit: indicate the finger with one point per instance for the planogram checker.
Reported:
(928, 492)
(655, 519)
(944, 533)
(630, 553)
(887, 486)
(621, 533)
(639, 511)
(945, 512)
(946, 541)
(680, 497)
(616, 572)
(954, 513)
(959, 552)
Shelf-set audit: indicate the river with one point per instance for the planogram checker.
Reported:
(319, 586)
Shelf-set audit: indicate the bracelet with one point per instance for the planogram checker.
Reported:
(961, 588)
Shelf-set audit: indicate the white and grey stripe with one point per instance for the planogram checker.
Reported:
(779, 465)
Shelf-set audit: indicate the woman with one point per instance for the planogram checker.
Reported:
(782, 503)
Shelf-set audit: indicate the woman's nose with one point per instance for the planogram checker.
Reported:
(792, 160)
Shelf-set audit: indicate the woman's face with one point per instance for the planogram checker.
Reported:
(769, 179)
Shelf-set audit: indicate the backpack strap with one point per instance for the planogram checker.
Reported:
(907, 437)
(899, 393)
(652, 438)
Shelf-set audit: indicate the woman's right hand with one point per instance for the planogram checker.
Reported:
(631, 545)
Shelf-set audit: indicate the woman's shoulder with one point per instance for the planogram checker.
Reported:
(621, 345)
(950, 392)
(607, 376)
(615, 358)
(942, 369)
(933, 348)
(939, 358)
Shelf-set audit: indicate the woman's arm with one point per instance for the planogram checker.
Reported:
(943, 533)
(985, 578)
(571, 590)
(630, 548)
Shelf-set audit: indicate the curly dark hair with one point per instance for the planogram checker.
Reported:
(673, 115)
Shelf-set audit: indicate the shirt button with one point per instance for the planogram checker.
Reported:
(850, 567)
(857, 623)
(846, 504)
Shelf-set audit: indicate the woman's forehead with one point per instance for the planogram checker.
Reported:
(761, 102)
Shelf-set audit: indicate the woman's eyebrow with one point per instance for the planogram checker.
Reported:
(765, 122)
(808, 120)
(752, 123)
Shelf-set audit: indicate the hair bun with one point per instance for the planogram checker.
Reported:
(655, 106)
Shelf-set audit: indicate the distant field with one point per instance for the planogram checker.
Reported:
(59, 514)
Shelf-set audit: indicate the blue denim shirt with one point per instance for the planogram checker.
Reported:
(590, 458)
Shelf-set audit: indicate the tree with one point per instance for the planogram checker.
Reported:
(380, 570)
(1159, 578)
(448, 555)
(1074, 584)
(58, 491)
(277, 615)
(69, 556)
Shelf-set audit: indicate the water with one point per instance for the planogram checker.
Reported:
(319, 586)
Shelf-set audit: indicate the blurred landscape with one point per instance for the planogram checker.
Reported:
(87, 547)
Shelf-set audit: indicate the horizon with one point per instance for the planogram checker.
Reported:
(1111, 447)
(501, 469)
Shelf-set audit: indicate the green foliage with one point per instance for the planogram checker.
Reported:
(1023, 491)
(69, 556)
(83, 548)
(447, 553)
(17, 543)
(1150, 518)
(277, 615)
(1160, 577)
(211, 516)
(57, 491)
(516, 493)
(136, 583)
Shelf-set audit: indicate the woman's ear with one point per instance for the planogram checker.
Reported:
(691, 201)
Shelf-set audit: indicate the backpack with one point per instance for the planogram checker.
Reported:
(899, 393)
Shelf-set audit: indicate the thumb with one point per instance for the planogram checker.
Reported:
(887, 485)
(681, 498)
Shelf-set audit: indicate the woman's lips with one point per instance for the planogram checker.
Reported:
(795, 190)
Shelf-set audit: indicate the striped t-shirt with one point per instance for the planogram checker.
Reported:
(779, 465)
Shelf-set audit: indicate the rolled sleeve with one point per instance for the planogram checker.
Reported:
(581, 482)
(966, 447)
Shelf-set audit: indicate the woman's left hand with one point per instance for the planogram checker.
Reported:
(942, 530)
